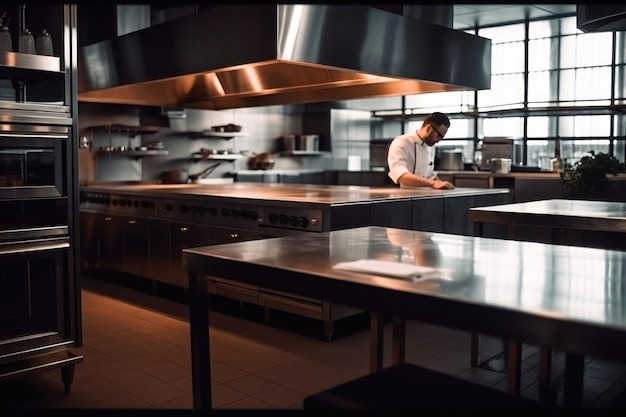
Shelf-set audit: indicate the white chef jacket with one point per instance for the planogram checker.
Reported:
(408, 153)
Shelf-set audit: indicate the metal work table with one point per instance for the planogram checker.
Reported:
(565, 297)
(563, 219)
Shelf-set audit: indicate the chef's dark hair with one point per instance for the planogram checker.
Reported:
(437, 119)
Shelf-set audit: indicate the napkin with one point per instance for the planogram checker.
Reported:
(389, 268)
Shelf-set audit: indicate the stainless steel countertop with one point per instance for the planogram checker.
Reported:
(557, 213)
(305, 193)
(565, 297)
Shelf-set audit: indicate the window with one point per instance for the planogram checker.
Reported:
(550, 81)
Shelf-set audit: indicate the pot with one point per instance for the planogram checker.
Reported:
(176, 176)
(500, 165)
(451, 160)
(263, 161)
(231, 127)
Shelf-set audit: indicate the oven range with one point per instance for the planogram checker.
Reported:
(206, 211)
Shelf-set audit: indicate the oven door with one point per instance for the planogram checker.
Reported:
(32, 158)
(32, 304)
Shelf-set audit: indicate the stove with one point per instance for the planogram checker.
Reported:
(248, 215)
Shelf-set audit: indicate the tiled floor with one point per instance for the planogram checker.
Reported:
(137, 356)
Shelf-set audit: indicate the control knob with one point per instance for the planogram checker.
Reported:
(293, 220)
(303, 221)
(272, 217)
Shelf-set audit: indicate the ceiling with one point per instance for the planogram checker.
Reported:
(467, 16)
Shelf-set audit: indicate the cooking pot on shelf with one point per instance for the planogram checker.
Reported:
(180, 176)
(263, 161)
(231, 127)
(501, 165)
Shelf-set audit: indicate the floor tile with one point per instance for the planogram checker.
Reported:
(137, 356)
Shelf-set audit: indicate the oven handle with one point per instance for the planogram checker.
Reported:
(33, 136)
(34, 245)
(34, 131)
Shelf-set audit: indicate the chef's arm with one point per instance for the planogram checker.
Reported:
(412, 180)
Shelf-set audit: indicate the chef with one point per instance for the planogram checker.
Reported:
(411, 156)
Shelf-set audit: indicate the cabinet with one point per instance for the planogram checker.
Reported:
(136, 245)
(183, 236)
(110, 231)
(159, 252)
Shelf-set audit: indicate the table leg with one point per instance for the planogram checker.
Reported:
(479, 228)
(398, 341)
(475, 349)
(199, 332)
(573, 384)
(546, 392)
(377, 327)
(514, 366)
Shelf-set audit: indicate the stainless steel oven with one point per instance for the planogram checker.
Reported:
(35, 256)
(32, 161)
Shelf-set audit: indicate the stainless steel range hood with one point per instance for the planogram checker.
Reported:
(246, 56)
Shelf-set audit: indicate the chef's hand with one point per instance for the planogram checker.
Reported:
(442, 185)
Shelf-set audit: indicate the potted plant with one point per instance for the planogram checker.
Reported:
(588, 176)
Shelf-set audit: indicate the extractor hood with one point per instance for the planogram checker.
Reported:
(246, 56)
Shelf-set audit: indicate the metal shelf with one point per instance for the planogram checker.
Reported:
(30, 66)
(220, 157)
(135, 154)
(527, 111)
(303, 153)
(132, 131)
(212, 134)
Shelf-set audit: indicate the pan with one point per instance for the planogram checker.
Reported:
(181, 176)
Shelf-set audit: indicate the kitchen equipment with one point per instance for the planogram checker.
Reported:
(501, 165)
(27, 43)
(262, 161)
(6, 43)
(451, 160)
(263, 71)
(181, 176)
(308, 143)
(500, 147)
(203, 173)
(227, 128)
(175, 176)
(43, 45)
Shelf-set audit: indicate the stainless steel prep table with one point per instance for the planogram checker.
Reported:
(559, 221)
(565, 297)
(578, 222)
